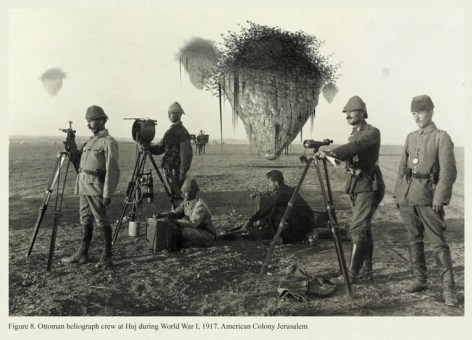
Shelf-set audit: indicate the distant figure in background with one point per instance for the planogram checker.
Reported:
(364, 184)
(202, 141)
(264, 223)
(177, 150)
(192, 218)
(96, 183)
(424, 186)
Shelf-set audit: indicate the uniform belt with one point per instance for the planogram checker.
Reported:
(409, 173)
(419, 175)
(98, 173)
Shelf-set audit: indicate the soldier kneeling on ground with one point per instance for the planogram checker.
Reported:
(264, 223)
(192, 219)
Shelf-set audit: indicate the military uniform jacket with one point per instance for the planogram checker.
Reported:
(177, 148)
(99, 156)
(195, 214)
(361, 154)
(434, 150)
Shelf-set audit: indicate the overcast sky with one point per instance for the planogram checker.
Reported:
(123, 59)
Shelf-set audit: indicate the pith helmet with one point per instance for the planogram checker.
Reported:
(95, 112)
(275, 175)
(175, 107)
(355, 103)
(190, 186)
(421, 103)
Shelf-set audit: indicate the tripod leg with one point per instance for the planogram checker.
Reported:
(168, 191)
(332, 224)
(57, 214)
(138, 169)
(52, 245)
(285, 216)
(44, 207)
(120, 221)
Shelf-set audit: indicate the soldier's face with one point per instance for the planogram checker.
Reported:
(96, 125)
(273, 185)
(354, 117)
(422, 118)
(174, 117)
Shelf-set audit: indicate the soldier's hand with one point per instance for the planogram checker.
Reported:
(320, 154)
(438, 206)
(106, 201)
(70, 146)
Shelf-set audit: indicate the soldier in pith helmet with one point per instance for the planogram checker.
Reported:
(364, 185)
(177, 150)
(96, 183)
(426, 175)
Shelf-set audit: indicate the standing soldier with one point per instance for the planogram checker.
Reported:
(364, 184)
(177, 150)
(96, 183)
(424, 186)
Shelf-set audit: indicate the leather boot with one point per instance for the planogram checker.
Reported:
(443, 258)
(367, 272)
(355, 263)
(418, 266)
(81, 256)
(105, 260)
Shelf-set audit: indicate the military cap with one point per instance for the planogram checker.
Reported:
(275, 175)
(190, 186)
(355, 103)
(175, 107)
(421, 103)
(95, 112)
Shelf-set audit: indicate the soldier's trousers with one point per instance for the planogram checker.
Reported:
(422, 220)
(92, 209)
(364, 205)
(196, 237)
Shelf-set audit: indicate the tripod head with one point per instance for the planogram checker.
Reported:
(70, 136)
(315, 145)
(143, 130)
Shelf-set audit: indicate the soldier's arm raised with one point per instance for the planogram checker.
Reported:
(364, 141)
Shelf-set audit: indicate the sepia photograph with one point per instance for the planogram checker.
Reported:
(238, 169)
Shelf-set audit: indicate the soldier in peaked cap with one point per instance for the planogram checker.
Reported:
(264, 223)
(364, 184)
(177, 150)
(96, 183)
(426, 175)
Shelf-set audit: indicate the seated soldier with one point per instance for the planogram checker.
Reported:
(192, 218)
(264, 223)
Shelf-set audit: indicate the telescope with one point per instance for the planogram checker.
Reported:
(143, 130)
(314, 144)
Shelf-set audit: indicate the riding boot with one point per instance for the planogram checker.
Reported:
(81, 256)
(355, 263)
(418, 266)
(105, 260)
(367, 270)
(443, 258)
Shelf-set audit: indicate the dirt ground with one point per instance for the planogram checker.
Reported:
(219, 280)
